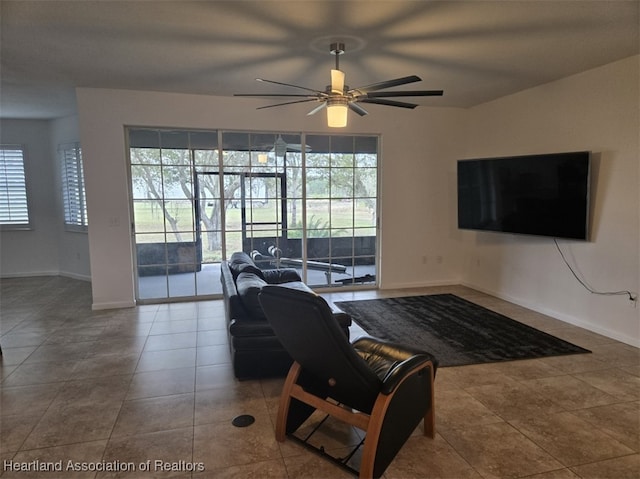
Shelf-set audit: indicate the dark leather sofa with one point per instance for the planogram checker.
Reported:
(255, 350)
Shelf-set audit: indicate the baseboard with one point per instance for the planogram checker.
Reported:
(31, 274)
(35, 274)
(113, 305)
(566, 318)
(80, 277)
(421, 284)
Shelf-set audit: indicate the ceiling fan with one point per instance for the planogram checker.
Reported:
(338, 98)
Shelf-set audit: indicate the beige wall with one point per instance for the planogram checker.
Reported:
(597, 111)
(418, 149)
(33, 252)
(47, 249)
(73, 247)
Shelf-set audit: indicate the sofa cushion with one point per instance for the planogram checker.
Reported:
(250, 268)
(299, 285)
(239, 260)
(248, 285)
(240, 257)
(279, 276)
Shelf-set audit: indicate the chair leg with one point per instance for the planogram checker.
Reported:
(429, 424)
(285, 402)
(378, 415)
(368, 460)
(430, 416)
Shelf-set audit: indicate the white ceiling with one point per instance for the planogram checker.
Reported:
(475, 51)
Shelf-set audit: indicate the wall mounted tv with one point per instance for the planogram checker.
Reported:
(545, 194)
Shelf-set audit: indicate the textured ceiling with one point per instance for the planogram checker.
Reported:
(475, 51)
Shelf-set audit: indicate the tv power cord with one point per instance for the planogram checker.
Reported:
(632, 296)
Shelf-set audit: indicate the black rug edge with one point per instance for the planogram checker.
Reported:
(539, 331)
(580, 349)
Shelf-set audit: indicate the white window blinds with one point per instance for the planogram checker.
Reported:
(14, 212)
(73, 192)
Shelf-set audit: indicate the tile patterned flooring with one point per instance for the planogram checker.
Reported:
(115, 389)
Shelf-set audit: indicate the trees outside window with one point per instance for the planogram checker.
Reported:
(199, 196)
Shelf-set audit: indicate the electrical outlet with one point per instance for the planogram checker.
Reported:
(424, 259)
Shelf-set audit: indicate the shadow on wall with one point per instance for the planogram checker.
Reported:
(599, 182)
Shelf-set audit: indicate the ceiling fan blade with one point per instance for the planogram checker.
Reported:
(382, 101)
(286, 103)
(358, 109)
(386, 84)
(317, 109)
(276, 95)
(382, 94)
(290, 85)
(298, 147)
(337, 82)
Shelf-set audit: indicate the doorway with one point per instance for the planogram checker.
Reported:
(307, 202)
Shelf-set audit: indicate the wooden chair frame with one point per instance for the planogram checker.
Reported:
(370, 423)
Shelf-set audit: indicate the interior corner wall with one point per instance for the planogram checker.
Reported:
(598, 111)
(416, 175)
(73, 246)
(33, 252)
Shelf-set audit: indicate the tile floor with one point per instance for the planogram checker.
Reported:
(125, 388)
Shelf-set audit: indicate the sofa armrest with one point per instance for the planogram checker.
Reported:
(233, 303)
(227, 280)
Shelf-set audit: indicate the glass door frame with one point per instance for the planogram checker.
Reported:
(218, 168)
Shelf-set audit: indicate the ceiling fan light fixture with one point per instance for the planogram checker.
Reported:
(337, 82)
(337, 109)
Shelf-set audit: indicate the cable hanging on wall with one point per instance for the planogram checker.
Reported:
(632, 296)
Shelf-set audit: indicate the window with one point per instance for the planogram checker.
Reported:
(294, 200)
(73, 194)
(14, 212)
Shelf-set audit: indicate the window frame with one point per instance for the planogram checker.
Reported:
(74, 199)
(5, 195)
(238, 226)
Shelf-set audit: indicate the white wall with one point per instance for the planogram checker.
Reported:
(420, 239)
(33, 252)
(47, 249)
(417, 151)
(73, 255)
(597, 111)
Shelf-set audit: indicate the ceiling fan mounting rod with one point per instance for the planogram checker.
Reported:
(337, 49)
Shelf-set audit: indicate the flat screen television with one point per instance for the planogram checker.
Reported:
(546, 195)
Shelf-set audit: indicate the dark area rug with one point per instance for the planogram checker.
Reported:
(456, 331)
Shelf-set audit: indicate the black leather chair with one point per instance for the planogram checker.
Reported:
(382, 388)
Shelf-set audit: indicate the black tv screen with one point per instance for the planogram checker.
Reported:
(545, 195)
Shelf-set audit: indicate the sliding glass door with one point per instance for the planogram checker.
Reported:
(300, 201)
(341, 208)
